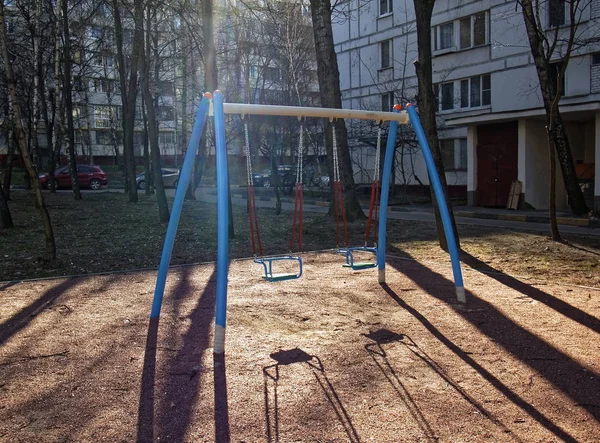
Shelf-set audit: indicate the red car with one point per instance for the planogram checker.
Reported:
(88, 176)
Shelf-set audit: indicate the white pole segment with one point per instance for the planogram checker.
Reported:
(299, 111)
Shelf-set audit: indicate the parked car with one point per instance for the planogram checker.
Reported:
(88, 176)
(287, 176)
(170, 178)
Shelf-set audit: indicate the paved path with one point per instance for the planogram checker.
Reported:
(420, 214)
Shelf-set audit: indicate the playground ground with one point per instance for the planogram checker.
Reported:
(332, 357)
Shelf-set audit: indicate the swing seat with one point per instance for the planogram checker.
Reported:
(267, 263)
(358, 266)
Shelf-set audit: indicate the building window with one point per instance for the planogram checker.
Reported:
(486, 90)
(475, 91)
(447, 96)
(272, 74)
(102, 116)
(553, 71)
(166, 138)
(385, 56)
(102, 85)
(103, 138)
(473, 30)
(462, 158)
(165, 113)
(596, 59)
(447, 147)
(444, 36)
(385, 7)
(387, 101)
(454, 154)
(78, 84)
(556, 13)
(166, 89)
(253, 71)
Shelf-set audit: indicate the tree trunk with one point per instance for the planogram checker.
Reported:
(37, 66)
(211, 82)
(58, 101)
(10, 144)
(551, 93)
(329, 88)
(67, 87)
(50, 250)
(426, 103)
(145, 141)
(129, 89)
(5, 217)
(161, 198)
(553, 221)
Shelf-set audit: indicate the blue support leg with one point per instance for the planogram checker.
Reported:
(184, 181)
(385, 193)
(441, 201)
(222, 224)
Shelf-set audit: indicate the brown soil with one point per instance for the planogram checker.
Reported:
(331, 357)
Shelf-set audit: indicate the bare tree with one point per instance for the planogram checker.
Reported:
(426, 102)
(50, 250)
(329, 87)
(149, 55)
(68, 97)
(5, 217)
(549, 46)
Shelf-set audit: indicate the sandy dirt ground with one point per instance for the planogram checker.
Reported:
(331, 357)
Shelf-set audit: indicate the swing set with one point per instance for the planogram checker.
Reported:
(257, 249)
(379, 199)
(296, 233)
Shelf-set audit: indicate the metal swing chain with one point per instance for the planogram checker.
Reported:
(300, 155)
(336, 167)
(378, 154)
(248, 161)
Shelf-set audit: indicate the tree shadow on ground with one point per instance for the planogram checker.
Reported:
(558, 305)
(536, 353)
(22, 318)
(9, 284)
(580, 248)
(184, 370)
(272, 373)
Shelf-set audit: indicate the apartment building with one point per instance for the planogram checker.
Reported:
(491, 118)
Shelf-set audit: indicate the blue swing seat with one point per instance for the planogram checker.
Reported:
(358, 266)
(267, 263)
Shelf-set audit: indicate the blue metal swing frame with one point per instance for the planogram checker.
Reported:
(267, 263)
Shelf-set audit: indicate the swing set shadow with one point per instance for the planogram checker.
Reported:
(380, 357)
(272, 374)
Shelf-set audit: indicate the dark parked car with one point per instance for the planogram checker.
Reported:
(88, 176)
(170, 178)
(287, 177)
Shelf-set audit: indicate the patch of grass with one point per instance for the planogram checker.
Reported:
(103, 233)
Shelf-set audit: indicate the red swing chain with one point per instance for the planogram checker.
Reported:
(298, 196)
(338, 194)
(252, 215)
(375, 187)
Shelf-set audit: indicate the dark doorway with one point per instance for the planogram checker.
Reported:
(497, 162)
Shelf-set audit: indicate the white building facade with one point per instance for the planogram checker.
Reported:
(491, 116)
